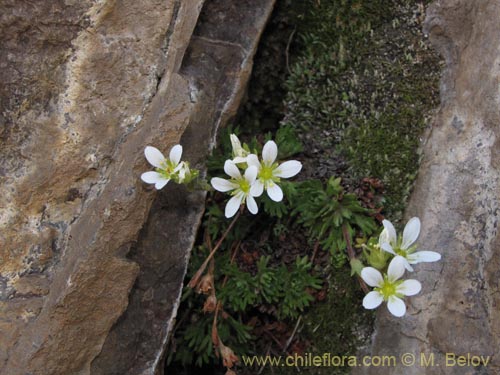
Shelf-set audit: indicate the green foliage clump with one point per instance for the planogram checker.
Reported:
(193, 342)
(295, 282)
(284, 288)
(281, 286)
(324, 211)
(288, 143)
(341, 324)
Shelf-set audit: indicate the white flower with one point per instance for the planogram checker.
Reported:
(390, 242)
(165, 169)
(389, 288)
(239, 186)
(270, 172)
(239, 153)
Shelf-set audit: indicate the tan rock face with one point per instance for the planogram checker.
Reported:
(457, 196)
(86, 85)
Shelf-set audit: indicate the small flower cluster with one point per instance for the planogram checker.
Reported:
(259, 175)
(387, 286)
(167, 169)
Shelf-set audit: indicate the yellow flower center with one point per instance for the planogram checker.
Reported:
(388, 288)
(266, 173)
(166, 169)
(244, 186)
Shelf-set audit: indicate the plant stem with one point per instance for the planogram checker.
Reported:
(290, 339)
(315, 251)
(196, 278)
(352, 255)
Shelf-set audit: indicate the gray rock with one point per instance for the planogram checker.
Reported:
(457, 197)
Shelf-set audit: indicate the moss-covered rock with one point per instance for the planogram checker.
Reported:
(360, 84)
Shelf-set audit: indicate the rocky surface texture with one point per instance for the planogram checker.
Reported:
(85, 87)
(457, 196)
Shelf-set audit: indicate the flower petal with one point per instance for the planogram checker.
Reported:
(151, 177)
(275, 192)
(252, 205)
(372, 276)
(161, 184)
(383, 238)
(235, 142)
(154, 156)
(175, 154)
(253, 160)
(231, 169)
(396, 306)
(409, 287)
(411, 232)
(424, 256)
(391, 232)
(257, 189)
(396, 268)
(182, 173)
(269, 152)
(239, 159)
(251, 174)
(233, 205)
(372, 300)
(408, 267)
(181, 165)
(288, 169)
(386, 247)
(222, 185)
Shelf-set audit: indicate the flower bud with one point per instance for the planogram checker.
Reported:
(210, 303)
(376, 257)
(206, 284)
(228, 356)
(238, 151)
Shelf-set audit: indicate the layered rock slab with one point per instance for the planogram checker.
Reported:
(457, 197)
(217, 66)
(85, 86)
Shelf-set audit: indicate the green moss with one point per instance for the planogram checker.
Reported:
(361, 83)
(340, 324)
(360, 89)
(337, 326)
(384, 148)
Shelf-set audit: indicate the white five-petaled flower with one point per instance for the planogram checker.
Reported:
(390, 242)
(166, 169)
(388, 287)
(239, 186)
(239, 153)
(270, 172)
